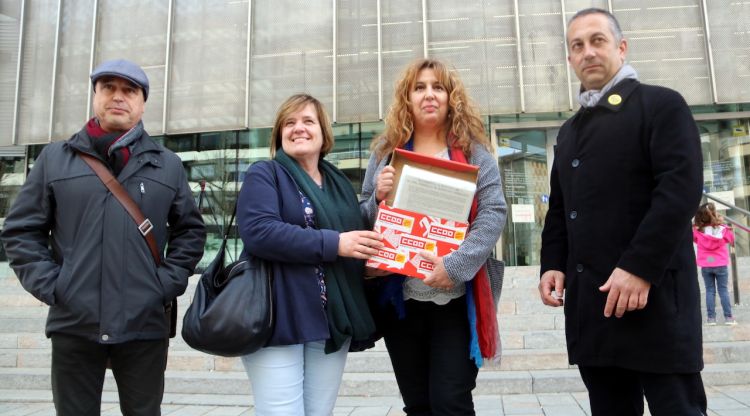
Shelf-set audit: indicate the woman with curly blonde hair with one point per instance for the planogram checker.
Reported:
(439, 329)
(463, 122)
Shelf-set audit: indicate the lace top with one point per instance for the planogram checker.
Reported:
(309, 213)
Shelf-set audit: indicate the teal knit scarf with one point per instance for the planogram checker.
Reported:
(337, 208)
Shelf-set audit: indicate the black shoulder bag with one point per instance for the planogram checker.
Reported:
(232, 310)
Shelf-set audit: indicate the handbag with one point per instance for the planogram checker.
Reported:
(232, 309)
(143, 223)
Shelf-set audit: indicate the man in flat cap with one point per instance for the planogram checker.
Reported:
(75, 247)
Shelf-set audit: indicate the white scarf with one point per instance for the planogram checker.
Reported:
(589, 98)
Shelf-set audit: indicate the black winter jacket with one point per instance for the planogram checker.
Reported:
(75, 248)
(626, 180)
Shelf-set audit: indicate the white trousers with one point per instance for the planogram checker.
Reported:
(295, 380)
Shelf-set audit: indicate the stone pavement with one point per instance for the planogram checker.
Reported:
(722, 401)
(534, 377)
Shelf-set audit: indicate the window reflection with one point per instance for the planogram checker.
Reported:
(523, 168)
(726, 169)
(11, 178)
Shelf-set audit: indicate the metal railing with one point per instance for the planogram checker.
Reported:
(732, 254)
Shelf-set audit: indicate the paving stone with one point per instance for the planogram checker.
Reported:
(544, 339)
(563, 411)
(534, 363)
(556, 399)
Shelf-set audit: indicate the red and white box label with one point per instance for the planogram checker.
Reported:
(407, 233)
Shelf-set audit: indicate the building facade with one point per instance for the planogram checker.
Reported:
(219, 69)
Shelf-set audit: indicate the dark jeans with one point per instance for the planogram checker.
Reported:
(429, 350)
(619, 392)
(716, 279)
(78, 367)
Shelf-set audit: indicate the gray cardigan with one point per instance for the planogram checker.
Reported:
(463, 264)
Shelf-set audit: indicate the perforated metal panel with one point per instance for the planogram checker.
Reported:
(666, 44)
(402, 41)
(543, 56)
(72, 83)
(291, 52)
(291, 48)
(137, 30)
(357, 61)
(36, 71)
(729, 23)
(207, 86)
(573, 6)
(478, 39)
(504, 93)
(10, 25)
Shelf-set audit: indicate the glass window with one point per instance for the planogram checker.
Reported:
(212, 141)
(726, 168)
(351, 150)
(12, 176)
(181, 143)
(523, 167)
(346, 153)
(214, 173)
(257, 145)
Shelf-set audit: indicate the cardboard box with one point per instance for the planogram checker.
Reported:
(407, 233)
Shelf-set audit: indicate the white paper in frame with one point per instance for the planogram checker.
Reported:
(433, 194)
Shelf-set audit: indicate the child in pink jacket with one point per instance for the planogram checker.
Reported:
(711, 236)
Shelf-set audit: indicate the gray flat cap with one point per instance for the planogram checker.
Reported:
(124, 69)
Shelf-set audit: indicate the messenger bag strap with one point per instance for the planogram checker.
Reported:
(143, 223)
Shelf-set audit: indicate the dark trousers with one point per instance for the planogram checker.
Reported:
(78, 367)
(429, 350)
(619, 392)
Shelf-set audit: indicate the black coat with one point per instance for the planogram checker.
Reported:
(625, 183)
(98, 276)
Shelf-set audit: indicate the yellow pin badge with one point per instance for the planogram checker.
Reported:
(614, 99)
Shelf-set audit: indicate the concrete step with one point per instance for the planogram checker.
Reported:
(369, 384)
(524, 301)
(532, 335)
(518, 330)
(24, 311)
(521, 315)
(362, 362)
(520, 283)
(376, 362)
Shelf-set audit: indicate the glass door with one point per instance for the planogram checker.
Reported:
(522, 156)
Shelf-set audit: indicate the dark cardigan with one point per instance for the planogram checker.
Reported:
(272, 226)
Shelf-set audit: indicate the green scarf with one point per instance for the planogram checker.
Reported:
(336, 208)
